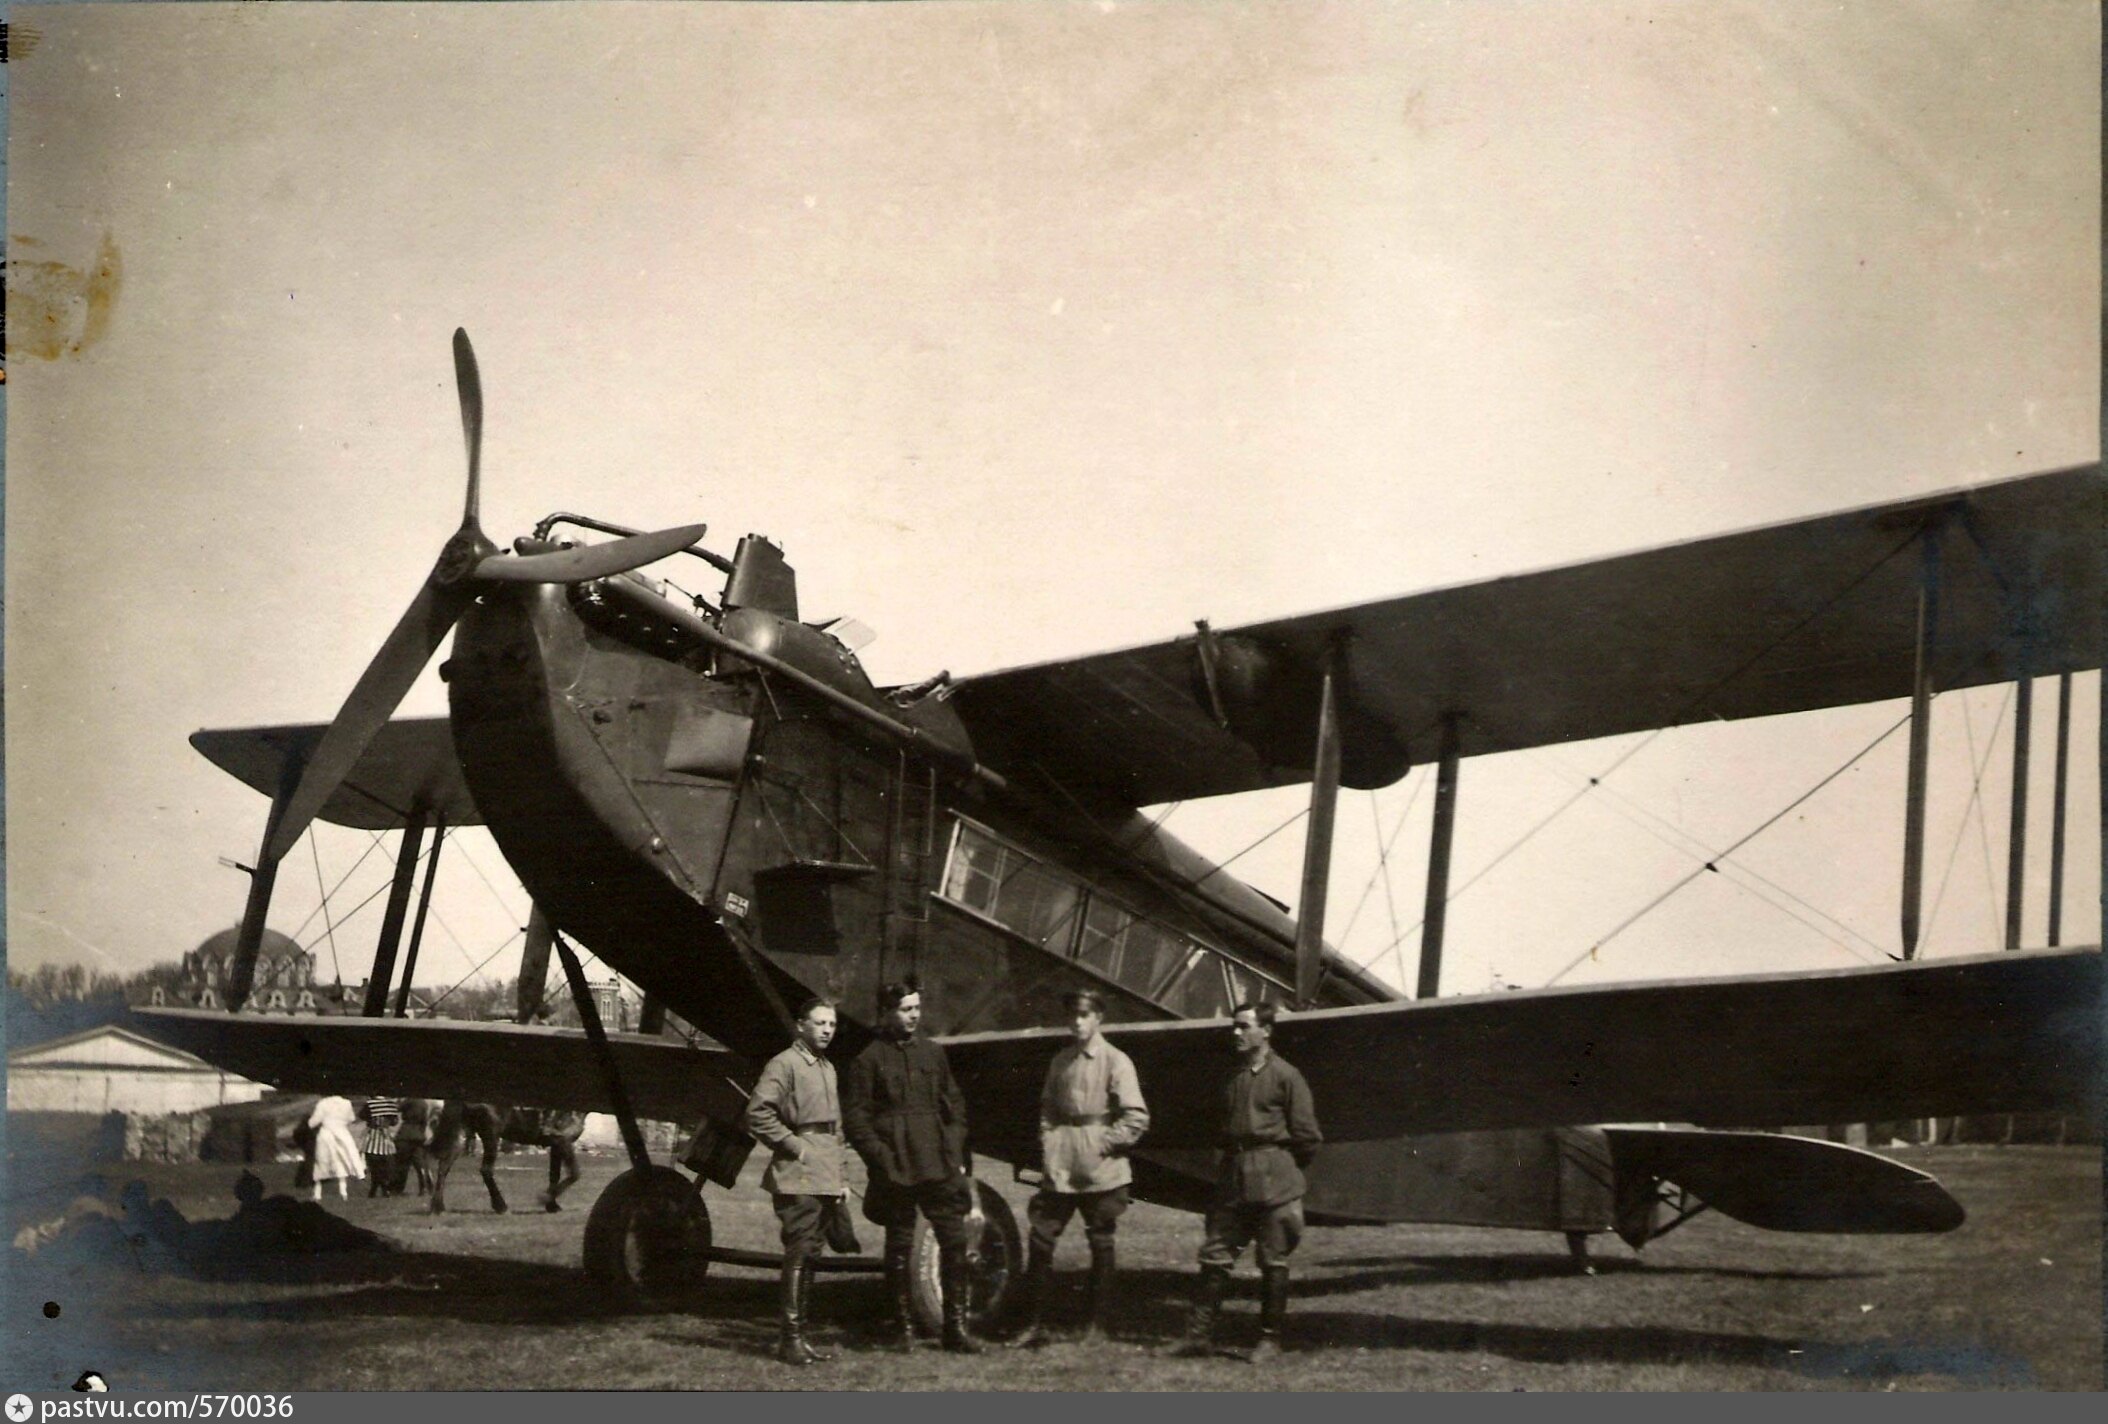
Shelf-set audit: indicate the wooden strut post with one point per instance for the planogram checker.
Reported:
(589, 1016)
(1435, 916)
(241, 975)
(2016, 853)
(377, 983)
(534, 965)
(2056, 825)
(1317, 842)
(417, 929)
(1920, 737)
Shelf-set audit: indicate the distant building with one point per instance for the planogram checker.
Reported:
(112, 1069)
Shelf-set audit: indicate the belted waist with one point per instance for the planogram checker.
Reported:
(1082, 1119)
(827, 1127)
(1252, 1144)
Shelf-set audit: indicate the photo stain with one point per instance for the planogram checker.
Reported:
(55, 310)
(51, 1310)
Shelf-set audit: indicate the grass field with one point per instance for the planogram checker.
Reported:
(471, 1300)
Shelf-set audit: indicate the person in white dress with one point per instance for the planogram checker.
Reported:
(337, 1155)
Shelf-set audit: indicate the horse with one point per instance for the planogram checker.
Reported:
(492, 1123)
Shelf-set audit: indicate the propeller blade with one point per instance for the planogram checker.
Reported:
(591, 561)
(381, 687)
(470, 386)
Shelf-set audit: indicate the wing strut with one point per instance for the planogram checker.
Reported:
(376, 1005)
(1920, 734)
(242, 973)
(2056, 825)
(1317, 841)
(417, 929)
(2016, 856)
(1436, 914)
(596, 1034)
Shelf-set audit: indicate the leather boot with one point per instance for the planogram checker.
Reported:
(1273, 1313)
(1099, 1327)
(899, 1332)
(958, 1306)
(805, 1300)
(1039, 1280)
(791, 1347)
(1199, 1339)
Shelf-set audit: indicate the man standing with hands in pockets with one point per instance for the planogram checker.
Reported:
(1090, 1114)
(795, 1112)
(906, 1118)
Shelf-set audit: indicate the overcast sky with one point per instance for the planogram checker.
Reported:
(1031, 330)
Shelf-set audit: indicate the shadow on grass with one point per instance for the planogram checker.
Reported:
(1480, 1270)
(1637, 1345)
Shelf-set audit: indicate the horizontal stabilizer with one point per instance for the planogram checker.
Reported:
(408, 764)
(1785, 1183)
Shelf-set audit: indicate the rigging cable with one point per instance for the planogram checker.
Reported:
(1383, 852)
(329, 929)
(371, 846)
(502, 947)
(1682, 841)
(1680, 715)
(1769, 822)
(1961, 828)
(1554, 814)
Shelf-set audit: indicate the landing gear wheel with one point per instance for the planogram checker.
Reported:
(996, 1262)
(646, 1236)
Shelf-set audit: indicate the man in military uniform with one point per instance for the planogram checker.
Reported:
(796, 1113)
(906, 1118)
(1090, 1114)
(1269, 1135)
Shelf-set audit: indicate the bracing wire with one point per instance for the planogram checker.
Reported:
(1762, 827)
(1751, 880)
(1695, 702)
(1976, 799)
(371, 846)
(329, 929)
(503, 945)
(1383, 851)
(1961, 829)
(1390, 902)
(1520, 841)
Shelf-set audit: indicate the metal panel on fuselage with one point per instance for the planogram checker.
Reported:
(623, 865)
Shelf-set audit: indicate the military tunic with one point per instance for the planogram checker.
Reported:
(1090, 1113)
(905, 1116)
(795, 1111)
(1269, 1134)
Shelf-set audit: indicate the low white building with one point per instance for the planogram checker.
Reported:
(112, 1069)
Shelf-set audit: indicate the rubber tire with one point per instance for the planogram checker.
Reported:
(998, 1267)
(646, 1235)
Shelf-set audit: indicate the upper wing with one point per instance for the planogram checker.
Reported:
(2005, 1032)
(1817, 613)
(407, 764)
(440, 1058)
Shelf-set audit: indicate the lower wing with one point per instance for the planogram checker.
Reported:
(1996, 1033)
(2011, 1032)
(442, 1058)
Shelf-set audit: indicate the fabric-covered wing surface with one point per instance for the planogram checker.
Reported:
(527, 1065)
(2008, 1032)
(409, 763)
(1816, 613)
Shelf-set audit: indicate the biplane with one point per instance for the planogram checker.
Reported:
(714, 798)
